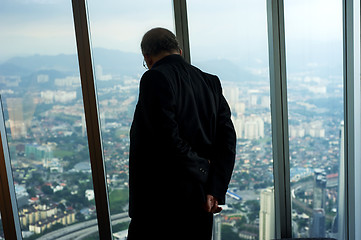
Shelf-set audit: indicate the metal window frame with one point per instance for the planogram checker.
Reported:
(8, 203)
(352, 116)
(279, 108)
(92, 118)
(279, 117)
(91, 104)
(279, 113)
(181, 27)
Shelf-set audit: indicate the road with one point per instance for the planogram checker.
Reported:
(83, 229)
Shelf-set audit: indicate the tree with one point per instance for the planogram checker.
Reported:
(47, 190)
(31, 191)
(62, 207)
(228, 233)
(80, 217)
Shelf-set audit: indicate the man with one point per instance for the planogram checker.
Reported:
(182, 146)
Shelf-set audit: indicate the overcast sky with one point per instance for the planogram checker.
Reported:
(217, 28)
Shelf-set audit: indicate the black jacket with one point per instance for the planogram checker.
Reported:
(182, 140)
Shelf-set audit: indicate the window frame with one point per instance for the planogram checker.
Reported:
(92, 118)
(279, 115)
(352, 116)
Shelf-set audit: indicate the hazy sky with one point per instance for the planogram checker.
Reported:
(218, 29)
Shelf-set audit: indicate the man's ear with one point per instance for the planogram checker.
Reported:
(181, 52)
(149, 60)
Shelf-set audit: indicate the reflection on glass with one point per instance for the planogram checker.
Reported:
(44, 118)
(117, 28)
(315, 101)
(229, 39)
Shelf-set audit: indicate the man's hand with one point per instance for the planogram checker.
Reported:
(211, 205)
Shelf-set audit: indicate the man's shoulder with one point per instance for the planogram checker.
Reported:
(211, 78)
(203, 73)
(169, 70)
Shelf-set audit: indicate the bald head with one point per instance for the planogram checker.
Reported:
(159, 41)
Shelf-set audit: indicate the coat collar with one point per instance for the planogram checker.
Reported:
(169, 59)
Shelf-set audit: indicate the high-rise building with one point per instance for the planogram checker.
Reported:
(42, 78)
(83, 125)
(254, 128)
(296, 131)
(21, 112)
(338, 228)
(253, 100)
(319, 189)
(239, 126)
(16, 117)
(231, 93)
(318, 226)
(239, 108)
(267, 215)
(217, 227)
(251, 127)
(265, 102)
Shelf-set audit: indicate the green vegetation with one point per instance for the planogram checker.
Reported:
(120, 227)
(115, 228)
(228, 233)
(63, 153)
(118, 198)
(121, 131)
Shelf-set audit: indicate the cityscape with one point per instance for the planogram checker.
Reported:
(46, 133)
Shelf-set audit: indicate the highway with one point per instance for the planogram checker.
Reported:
(83, 229)
(80, 230)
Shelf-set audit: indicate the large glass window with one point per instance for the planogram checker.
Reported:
(44, 118)
(229, 39)
(117, 28)
(315, 101)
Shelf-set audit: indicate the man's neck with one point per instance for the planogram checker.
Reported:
(163, 55)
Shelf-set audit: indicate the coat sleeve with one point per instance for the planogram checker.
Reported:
(157, 99)
(222, 163)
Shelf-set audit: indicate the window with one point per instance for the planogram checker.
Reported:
(229, 39)
(44, 118)
(315, 101)
(117, 28)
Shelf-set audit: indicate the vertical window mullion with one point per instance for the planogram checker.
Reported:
(181, 26)
(8, 206)
(279, 114)
(92, 119)
(352, 111)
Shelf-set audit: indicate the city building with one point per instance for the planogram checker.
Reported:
(250, 127)
(231, 93)
(16, 117)
(122, 235)
(267, 215)
(37, 218)
(338, 224)
(318, 223)
(217, 227)
(319, 189)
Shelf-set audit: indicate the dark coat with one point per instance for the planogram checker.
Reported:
(182, 140)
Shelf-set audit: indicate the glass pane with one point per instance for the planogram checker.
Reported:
(229, 39)
(117, 28)
(44, 117)
(315, 102)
